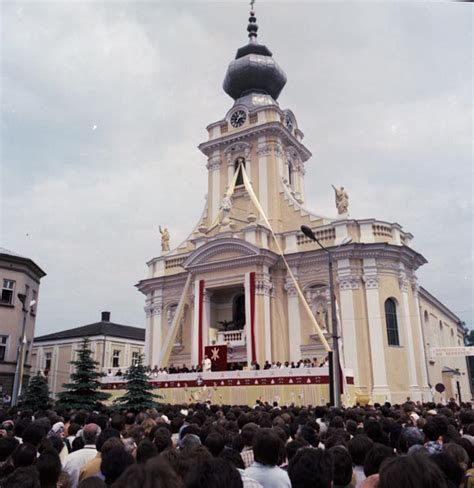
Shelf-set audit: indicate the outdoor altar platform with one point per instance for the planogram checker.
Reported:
(301, 386)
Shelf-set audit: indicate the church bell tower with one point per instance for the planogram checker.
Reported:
(257, 133)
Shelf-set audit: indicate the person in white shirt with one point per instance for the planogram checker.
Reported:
(207, 365)
(77, 459)
(266, 448)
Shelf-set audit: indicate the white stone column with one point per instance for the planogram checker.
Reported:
(195, 328)
(263, 151)
(425, 389)
(263, 287)
(347, 283)
(301, 174)
(157, 331)
(248, 162)
(230, 168)
(214, 166)
(415, 393)
(380, 390)
(147, 349)
(294, 320)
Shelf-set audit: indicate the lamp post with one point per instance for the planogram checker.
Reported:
(20, 361)
(334, 363)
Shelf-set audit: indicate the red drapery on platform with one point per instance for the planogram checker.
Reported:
(200, 314)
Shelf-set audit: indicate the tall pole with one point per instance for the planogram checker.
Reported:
(334, 370)
(20, 362)
(336, 383)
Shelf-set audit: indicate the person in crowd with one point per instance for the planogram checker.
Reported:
(145, 451)
(342, 467)
(247, 435)
(269, 444)
(358, 447)
(417, 471)
(114, 463)
(214, 473)
(77, 459)
(267, 448)
(374, 459)
(49, 468)
(311, 467)
(92, 467)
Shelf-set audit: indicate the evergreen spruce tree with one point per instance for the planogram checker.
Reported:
(36, 396)
(139, 396)
(84, 390)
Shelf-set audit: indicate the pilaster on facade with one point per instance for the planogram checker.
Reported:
(408, 335)
(426, 394)
(294, 335)
(264, 290)
(263, 153)
(263, 284)
(376, 336)
(348, 281)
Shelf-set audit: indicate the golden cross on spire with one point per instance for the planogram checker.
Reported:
(252, 2)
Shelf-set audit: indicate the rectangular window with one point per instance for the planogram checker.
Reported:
(3, 347)
(8, 291)
(47, 361)
(134, 357)
(116, 359)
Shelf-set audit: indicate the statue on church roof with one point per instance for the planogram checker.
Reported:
(342, 200)
(165, 239)
(225, 208)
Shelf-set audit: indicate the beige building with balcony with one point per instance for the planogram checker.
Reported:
(18, 274)
(241, 292)
(114, 347)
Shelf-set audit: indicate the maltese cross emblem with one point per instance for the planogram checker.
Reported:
(215, 354)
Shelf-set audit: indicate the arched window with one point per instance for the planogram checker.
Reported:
(240, 177)
(392, 322)
(290, 172)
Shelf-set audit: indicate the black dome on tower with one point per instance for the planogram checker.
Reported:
(254, 70)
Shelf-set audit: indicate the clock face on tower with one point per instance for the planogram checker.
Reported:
(238, 118)
(288, 123)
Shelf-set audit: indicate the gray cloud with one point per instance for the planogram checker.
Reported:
(104, 104)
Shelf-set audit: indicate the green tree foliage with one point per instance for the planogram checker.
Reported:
(139, 395)
(36, 395)
(84, 390)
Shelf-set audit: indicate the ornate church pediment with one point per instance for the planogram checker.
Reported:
(228, 252)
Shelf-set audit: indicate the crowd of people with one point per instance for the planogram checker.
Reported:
(156, 373)
(412, 445)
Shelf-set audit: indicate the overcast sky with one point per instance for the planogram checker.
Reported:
(103, 105)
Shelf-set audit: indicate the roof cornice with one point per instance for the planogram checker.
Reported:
(426, 295)
(273, 127)
(406, 255)
(29, 263)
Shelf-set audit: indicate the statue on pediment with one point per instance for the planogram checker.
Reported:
(165, 239)
(342, 200)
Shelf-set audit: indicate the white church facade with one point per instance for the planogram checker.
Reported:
(229, 282)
